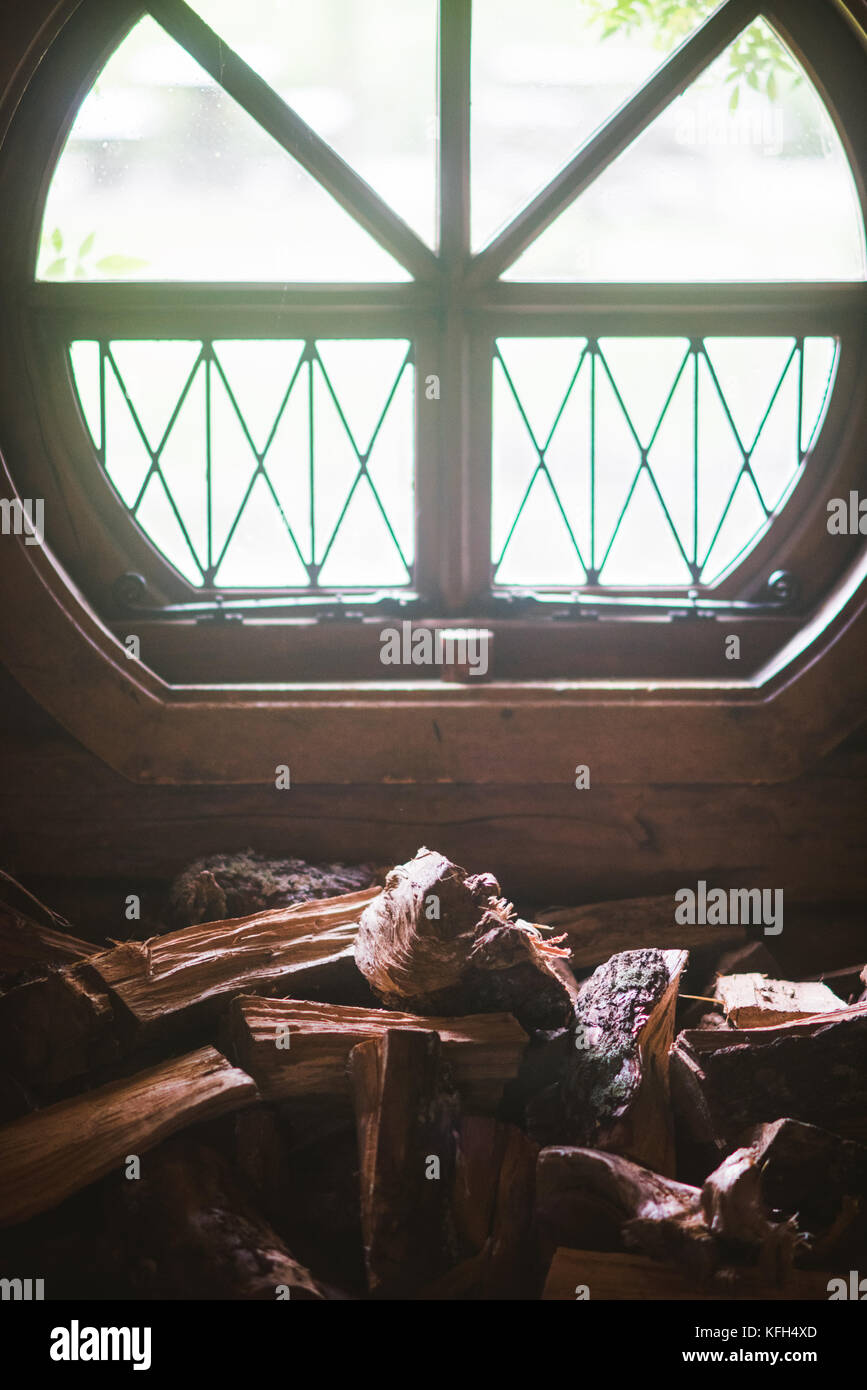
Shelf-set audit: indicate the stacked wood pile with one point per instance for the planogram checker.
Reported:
(412, 1092)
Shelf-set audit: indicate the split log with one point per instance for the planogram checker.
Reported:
(795, 1191)
(56, 1027)
(407, 1116)
(586, 1199)
(187, 975)
(724, 1082)
(631, 1277)
(492, 1204)
(599, 930)
(25, 941)
(614, 1094)
(187, 1229)
(51, 1153)
(297, 1048)
(436, 940)
(754, 1001)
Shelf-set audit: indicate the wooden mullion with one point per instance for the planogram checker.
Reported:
(453, 461)
(676, 74)
(297, 138)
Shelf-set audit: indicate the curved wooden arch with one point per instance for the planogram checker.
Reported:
(768, 729)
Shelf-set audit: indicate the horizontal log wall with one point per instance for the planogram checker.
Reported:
(63, 813)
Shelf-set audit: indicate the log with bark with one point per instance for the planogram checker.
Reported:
(587, 1199)
(187, 1229)
(795, 1192)
(299, 1049)
(614, 1093)
(726, 1081)
(49, 1154)
(437, 940)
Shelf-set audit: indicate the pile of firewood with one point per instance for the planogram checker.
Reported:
(410, 1092)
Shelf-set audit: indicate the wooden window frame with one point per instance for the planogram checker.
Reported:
(452, 312)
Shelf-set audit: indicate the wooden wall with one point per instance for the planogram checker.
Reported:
(69, 822)
(66, 819)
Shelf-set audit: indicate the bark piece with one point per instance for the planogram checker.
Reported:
(599, 930)
(51, 1153)
(236, 885)
(407, 1116)
(189, 1230)
(724, 1082)
(753, 1001)
(586, 1199)
(630, 1277)
(483, 1050)
(614, 1094)
(439, 941)
(186, 976)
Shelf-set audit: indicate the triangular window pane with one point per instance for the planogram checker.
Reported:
(541, 549)
(542, 371)
(260, 553)
(363, 74)
(362, 373)
(84, 359)
(183, 466)
(743, 522)
(154, 375)
(158, 520)
(287, 463)
(165, 177)
(363, 551)
(820, 363)
(644, 549)
(718, 191)
(126, 458)
(544, 76)
(232, 465)
(259, 374)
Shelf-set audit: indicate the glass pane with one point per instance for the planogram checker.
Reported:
(165, 177)
(544, 76)
(363, 74)
(742, 178)
(659, 464)
(295, 466)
